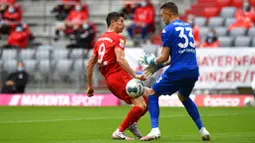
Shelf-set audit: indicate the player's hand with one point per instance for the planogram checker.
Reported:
(147, 59)
(140, 77)
(150, 70)
(90, 91)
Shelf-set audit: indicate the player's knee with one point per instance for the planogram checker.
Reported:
(148, 91)
(181, 98)
(140, 102)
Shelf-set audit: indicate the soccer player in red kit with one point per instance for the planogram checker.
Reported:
(110, 56)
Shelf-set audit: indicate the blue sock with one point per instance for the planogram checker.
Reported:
(191, 108)
(154, 110)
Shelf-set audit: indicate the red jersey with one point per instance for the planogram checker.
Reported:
(19, 39)
(144, 15)
(246, 15)
(104, 49)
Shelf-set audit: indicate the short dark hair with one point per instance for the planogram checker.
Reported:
(113, 16)
(171, 6)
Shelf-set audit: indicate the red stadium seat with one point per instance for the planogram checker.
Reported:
(156, 39)
(211, 12)
(183, 17)
(223, 3)
(252, 2)
(237, 3)
(188, 11)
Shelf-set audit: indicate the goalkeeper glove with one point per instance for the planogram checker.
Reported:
(150, 70)
(147, 59)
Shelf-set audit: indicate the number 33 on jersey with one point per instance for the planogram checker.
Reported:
(178, 35)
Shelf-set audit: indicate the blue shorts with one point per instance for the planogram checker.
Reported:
(166, 86)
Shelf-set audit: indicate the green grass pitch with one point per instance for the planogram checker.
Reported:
(96, 124)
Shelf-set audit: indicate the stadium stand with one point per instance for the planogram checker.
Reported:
(221, 31)
(237, 32)
(251, 32)
(226, 41)
(9, 65)
(215, 21)
(242, 41)
(227, 12)
(27, 54)
(201, 21)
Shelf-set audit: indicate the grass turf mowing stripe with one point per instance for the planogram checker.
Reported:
(107, 118)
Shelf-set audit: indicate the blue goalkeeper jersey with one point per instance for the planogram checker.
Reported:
(178, 36)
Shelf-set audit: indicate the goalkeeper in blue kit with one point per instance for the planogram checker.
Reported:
(177, 47)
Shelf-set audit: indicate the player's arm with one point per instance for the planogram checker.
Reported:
(156, 63)
(160, 61)
(90, 66)
(164, 57)
(120, 57)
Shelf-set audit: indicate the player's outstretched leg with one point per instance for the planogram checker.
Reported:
(133, 116)
(133, 128)
(192, 110)
(154, 115)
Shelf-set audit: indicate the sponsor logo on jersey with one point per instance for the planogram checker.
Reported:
(122, 43)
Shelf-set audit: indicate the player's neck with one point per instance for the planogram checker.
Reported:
(175, 18)
(111, 30)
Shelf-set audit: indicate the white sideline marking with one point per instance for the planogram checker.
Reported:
(104, 118)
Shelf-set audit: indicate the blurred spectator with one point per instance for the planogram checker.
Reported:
(129, 10)
(84, 36)
(12, 14)
(241, 22)
(62, 10)
(246, 12)
(195, 29)
(3, 6)
(19, 37)
(10, 17)
(143, 20)
(74, 20)
(211, 40)
(16, 82)
(9, 87)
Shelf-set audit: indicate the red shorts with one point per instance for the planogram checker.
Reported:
(117, 82)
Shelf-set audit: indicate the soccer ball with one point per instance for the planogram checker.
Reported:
(134, 88)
